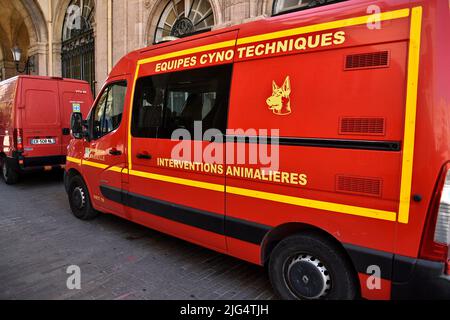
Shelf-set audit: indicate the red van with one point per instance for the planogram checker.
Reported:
(35, 122)
(316, 143)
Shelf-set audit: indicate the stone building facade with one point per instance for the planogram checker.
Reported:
(85, 38)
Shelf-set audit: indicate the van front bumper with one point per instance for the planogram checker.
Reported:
(420, 280)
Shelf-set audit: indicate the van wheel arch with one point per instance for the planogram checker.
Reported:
(284, 231)
(69, 175)
(79, 196)
(75, 173)
(8, 171)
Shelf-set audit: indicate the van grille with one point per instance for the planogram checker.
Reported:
(362, 126)
(359, 185)
(367, 60)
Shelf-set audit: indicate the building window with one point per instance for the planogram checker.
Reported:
(184, 17)
(281, 6)
(77, 50)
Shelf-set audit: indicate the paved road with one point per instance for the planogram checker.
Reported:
(39, 239)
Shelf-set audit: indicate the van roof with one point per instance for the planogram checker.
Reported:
(254, 27)
(43, 78)
(127, 62)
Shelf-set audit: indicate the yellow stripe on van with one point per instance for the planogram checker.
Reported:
(73, 160)
(307, 203)
(391, 15)
(315, 204)
(274, 197)
(209, 47)
(94, 164)
(411, 113)
(130, 115)
(181, 181)
(116, 169)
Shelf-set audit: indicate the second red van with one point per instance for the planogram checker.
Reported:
(35, 122)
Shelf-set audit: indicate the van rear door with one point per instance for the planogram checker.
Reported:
(41, 119)
(75, 96)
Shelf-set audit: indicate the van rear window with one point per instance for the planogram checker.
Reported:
(167, 102)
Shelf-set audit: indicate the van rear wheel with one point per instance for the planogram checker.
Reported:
(9, 174)
(311, 267)
(79, 199)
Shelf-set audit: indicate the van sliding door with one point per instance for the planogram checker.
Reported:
(177, 186)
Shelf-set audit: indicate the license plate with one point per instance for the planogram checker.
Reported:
(43, 141)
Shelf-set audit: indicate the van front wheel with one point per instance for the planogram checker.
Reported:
(311, 267)
(9, 174)
(79, 199)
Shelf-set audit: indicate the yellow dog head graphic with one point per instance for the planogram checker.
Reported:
(280, 101)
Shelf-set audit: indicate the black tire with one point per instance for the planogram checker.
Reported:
(309, 266)
(79, 199)
(9, 174)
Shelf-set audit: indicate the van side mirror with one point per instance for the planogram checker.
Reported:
(76, 125)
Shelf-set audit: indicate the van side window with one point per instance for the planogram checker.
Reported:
(108, 112)
(167, 102)
(148, 106)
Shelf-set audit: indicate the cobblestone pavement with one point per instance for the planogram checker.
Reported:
(39, 239)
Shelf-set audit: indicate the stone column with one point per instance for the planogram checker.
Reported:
(120, 29)
(38, 55)
(101, 43)
(57, 71)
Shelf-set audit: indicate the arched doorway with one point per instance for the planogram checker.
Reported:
(78, 43)
(22, 25)
(184, 17)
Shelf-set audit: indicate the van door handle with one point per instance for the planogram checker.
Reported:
(115, 152)
(144, 156)
(65, 131)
